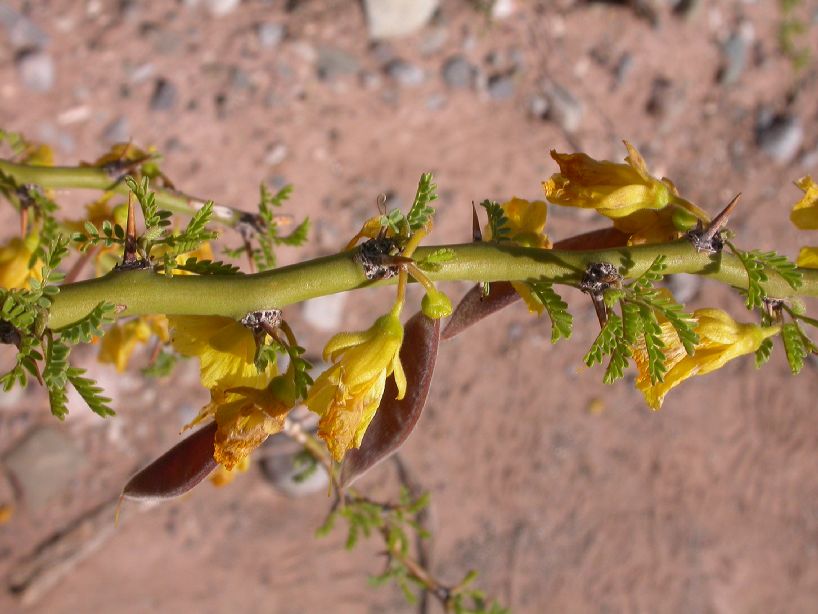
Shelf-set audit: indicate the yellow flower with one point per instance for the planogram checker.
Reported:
(805, 215)
(349, 392)
(721, 339)
(120, 341)
(626, 193)
(526, 222)
(805, 212)
(14, 262)
(225, 348)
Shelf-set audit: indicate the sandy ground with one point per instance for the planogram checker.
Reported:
(710, 505)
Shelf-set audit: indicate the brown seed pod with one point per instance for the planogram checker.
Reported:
(177, 470)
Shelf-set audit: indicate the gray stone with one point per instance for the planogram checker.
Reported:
(333, 62)
(280, 466)
(389, 18)
(219, 8)
(458, 72)
(36, 70)
(564, 108)
(270, 34)
(325, 313)
(43, 465)
(404, 73)
(433, 40)
(276, 154)
(164, 95)
(501, 86)
(781, 138)
(736, 53)
(22, 33)
(684, 288)
(435, 102)
(117, 130)
(538, 107)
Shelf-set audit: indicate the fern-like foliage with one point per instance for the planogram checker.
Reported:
(498, 221)
(90, 392)
(85, 329)
(266, 232)
(421, 212)
(763, 353)
(757, 263)
(557, 309)
(206, 267)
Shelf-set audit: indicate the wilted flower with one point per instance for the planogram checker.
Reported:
(627, 193)
(245, 417)
(721, 339)
(349, 392)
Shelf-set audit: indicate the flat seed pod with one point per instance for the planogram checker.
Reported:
(177, 470)
(395, 419)
(474, 306)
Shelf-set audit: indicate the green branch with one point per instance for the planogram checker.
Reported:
(95, 178)
(144, 292)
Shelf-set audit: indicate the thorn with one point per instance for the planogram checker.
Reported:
(600, 308)
(476, 233)
(129, 257)
(720, 220)
(380, 202)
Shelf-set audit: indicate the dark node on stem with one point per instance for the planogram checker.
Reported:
(380, 258)
(709, 239)
(773, 308)
(118, 169)
(262, 320)
(9, 335)
(249, 225)
(599, 276)
(134, 265)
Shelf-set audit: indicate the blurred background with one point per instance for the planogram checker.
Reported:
(566, 495)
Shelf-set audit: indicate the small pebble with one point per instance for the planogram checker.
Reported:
(332, 62)
(219, 8)
(459, 73)
(404, 73)
(563, 107)
(501, 87)
(276, 154)
(279, 467)
(36, 70)
(117, 130)
(270, 34)
(781, 138)
(390, 18)
(22, 33)
(164, 95)
(684, 288)
(736, 53)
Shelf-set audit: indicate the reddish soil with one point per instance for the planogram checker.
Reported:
(710, 505)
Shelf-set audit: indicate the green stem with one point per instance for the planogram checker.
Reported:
(95, 178)
(144, 292)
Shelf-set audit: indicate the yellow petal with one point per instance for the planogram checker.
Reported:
(805, 212)
(225, 348)
(808, 258)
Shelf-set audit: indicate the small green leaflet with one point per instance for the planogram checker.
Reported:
(756, 264)
(421, 212)
(85, 329)
(561, 319)
(762, 354)
(498, 222)
(793, 346)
